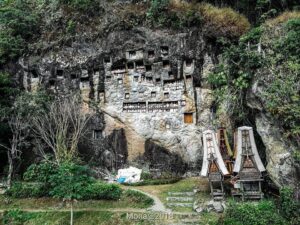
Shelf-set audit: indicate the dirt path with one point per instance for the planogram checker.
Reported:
(158, 205)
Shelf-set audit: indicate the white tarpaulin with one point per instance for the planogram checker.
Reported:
(211, 148)
(129, 175)
(238, 161)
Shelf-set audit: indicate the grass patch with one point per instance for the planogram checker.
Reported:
(284, 17)
(138, 197)
(125, 201)
(80, 218)
(216, 21)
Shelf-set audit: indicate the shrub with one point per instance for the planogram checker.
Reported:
(15, 217)
(27, 190)
(284, 17)
(40, 172)
(289, 207)
(248, 213)
(101, 190)
(82, 5)
(137, 196)
(18, 23)
(71, 181)
(146, 175)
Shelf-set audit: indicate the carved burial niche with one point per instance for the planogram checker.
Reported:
(97, 134)
(171, 75)
(131, 54)
(130, 66)
(162, 106)
(148, 68)
(84, 82)
(164, 50)
(59, 73)
(139, 65)
(34, 74)
(127, 95)
(134, 107)
(166, 64)
(73, 76)
(151, 54)
(107, 60)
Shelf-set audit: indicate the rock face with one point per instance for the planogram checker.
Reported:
(281, 166)
(150, 88)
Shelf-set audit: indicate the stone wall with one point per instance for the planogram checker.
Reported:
(147, 84)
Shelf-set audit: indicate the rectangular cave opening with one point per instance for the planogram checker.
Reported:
(52, 82)
(34, 74)
(166, 95)
(107, 60)
(164, 50)
(188, 62)
(166, 64)
(84, 79)
(149, 79)
(148, 68)
(188, 117)
(139, 64)
(158, 80)
(151, 54)
(97, 134)
(171, 75)
(153, 94)
(188, 77)
(132, 54)
(108, 78)
(73, 76)
(130, 65)
(127, 95)
(59, 73)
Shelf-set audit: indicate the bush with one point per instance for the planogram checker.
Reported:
(289, 207)
(100, 190)
(40, 172)
(15, 217)
(27, 190)
(82, 5)
(139, 197)
(250, 213)
(146, 176)
(71, 181)
(18, 23)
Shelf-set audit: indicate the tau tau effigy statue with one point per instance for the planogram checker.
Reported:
(248, 166)
(225, 148)
(213, 165)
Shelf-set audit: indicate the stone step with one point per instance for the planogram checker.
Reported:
(181, 193)
(180, 199)
(180, 204)
(220, 198)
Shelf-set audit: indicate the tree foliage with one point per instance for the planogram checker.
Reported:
(18, 23)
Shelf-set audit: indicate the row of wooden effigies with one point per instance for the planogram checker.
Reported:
(242, 169)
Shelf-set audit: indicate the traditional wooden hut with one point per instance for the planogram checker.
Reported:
(213, 165)
(225, 148)
(248, 165)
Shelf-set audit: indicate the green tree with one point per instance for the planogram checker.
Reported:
(70, 183)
